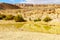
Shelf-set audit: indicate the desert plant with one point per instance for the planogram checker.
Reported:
(9, 17)
(1, 8)
(47, 19)
(19, 18)
(37, 19)
(2, 16)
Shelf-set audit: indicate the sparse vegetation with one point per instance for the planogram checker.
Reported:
(37, 20)
(47, 19)
(2, 16)
(31, 26)
(9, 17)
(19, 18)
(29, 14)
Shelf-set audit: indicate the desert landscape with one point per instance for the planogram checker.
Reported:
(33, 20)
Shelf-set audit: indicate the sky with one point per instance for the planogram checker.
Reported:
(32, 1)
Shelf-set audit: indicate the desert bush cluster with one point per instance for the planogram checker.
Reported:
(2, 16)
(47, 19)
(31, 14)
(17, 18)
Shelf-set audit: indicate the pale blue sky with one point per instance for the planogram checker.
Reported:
(12, 1)
(32, 1)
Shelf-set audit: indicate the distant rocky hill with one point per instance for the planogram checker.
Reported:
(8, 6)
(23, 6)
(39, 5)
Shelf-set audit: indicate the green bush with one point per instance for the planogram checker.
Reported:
(2, 16)
(47, 19)
(19, 18)
(37, 20)
(9, 17)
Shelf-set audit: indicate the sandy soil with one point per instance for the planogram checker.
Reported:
(27, 36)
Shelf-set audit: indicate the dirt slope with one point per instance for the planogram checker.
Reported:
(8, 6)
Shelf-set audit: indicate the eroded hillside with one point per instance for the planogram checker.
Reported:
(8, 6)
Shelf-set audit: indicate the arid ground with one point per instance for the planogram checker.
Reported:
(27, 36)
(29, 22)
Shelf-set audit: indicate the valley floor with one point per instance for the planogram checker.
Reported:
(27, 36)
(10, 30)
